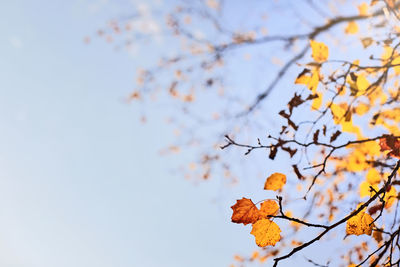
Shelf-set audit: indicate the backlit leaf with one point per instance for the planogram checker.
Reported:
(275, 182)
(244, 211)
(352, 28)
(320, 51)
(309, 79)
(266, 232)
(373, 176)
(365, 189)
(360, 224)
(268, 207)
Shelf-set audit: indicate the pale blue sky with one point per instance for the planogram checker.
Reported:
(81, 180)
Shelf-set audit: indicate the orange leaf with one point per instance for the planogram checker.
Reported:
(244, 211)
(266, 232)
(275, 182)
(359, 224)
(268, 207)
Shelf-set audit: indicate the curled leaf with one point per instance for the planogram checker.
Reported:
(360, 224)
(266, 232)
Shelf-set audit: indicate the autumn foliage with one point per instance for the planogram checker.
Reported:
(329, 154)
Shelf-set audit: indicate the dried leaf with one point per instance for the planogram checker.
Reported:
(244, 211)
(273, 152)
(315, 136)
(367, 41)
(297, 172)
(360, 224)
(335, 135)
(294, 102)
(291, 151)
(389, 142)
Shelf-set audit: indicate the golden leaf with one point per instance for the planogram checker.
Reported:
(352, 28)
(363, 9)
(275, 182)
(266, 232)
(317, 102)
(320, 51)
(390, 197)
(359, 224)
(268, 207)
(244, 211)
(362, 83)
(365, 189)
(309, 79)
(373, 176)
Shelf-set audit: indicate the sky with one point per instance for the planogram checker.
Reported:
(82, 182)
(81, 179)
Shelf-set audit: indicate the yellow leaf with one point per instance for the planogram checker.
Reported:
(363, 9)
(362, 83)
(373, 176)
(320, 51)
(244, 211)
(317, 102)
(275, 182)
(308, 79)
(266, 232)
(396, 61)
(352, 28)
(358, 84)
(362, 108)
(268, 207)
(359, 224)
(390, 197)
(365, 190)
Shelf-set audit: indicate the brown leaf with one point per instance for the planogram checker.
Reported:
(315, 137)
(297, 172)
(390, 142)
(244, 211)
(335, 135)
(294, 102)
(372, 210)
(273, 152)
(291, 151)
